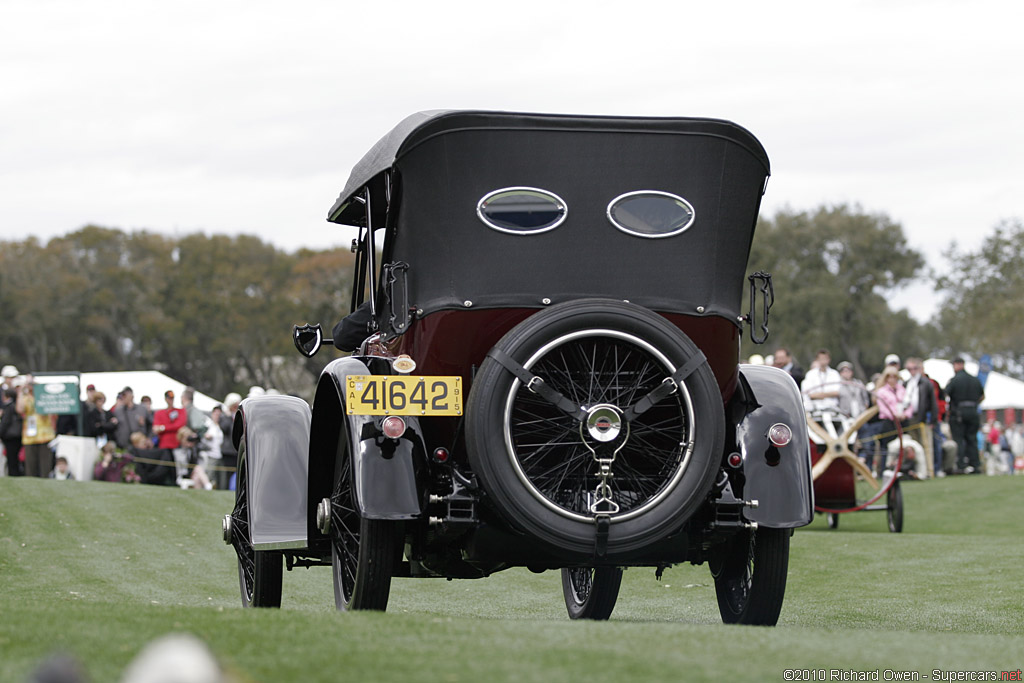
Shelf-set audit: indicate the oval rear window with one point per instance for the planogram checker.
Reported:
(650, 213)
(521, 210)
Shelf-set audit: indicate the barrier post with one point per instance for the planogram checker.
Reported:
(929, 448)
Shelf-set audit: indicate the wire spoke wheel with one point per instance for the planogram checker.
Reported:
(344, 533)
(589, 592)
(259, 572)
(363, 551)
(750, 571)
(555, 455)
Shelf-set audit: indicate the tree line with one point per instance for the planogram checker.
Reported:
(216, 311)
(835, 267)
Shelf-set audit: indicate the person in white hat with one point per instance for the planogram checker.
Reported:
(7, 376)
(853, 395)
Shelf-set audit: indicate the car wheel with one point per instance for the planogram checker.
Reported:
(591, 592)
(259, 571)
(551, 472)
(894, 507)
(750, 572)
(832, 520)
(363, 550)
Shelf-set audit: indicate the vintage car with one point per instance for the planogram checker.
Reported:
(547, 315)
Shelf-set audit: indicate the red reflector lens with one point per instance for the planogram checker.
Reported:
(780, 434)
(393, 427)
(735, 460)
(441, 454)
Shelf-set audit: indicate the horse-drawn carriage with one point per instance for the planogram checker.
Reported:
(548, 310)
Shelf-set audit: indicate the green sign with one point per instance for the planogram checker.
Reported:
(56, 398)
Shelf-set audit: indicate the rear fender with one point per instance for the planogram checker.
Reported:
(276, 431)
(389, 474)
(778, 478)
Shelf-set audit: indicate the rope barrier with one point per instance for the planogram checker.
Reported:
(164, 463)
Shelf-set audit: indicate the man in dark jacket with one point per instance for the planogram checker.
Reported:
(965, 394)
(921, 395)
(10, 430)
(783, 360)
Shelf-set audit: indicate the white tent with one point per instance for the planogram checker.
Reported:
(1001, 391)
(143, 383)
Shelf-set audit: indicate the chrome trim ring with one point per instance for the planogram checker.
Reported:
(619, 226)
(486, 221)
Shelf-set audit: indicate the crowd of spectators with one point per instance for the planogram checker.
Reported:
(187, 446)
(177, 444)
(910, 403)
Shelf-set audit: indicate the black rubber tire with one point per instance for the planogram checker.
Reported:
(259, 571)
(629, 333)
(750, 572)
(591, 593)
(832, 520)
(363, 551)
(894, 507)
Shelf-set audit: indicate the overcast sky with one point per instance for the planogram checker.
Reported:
(225, 116)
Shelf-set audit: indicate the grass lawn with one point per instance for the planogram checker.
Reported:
(98, 570)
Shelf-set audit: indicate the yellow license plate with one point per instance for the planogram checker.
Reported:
(403, 395)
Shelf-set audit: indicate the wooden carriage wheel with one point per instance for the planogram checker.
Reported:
(838, 447)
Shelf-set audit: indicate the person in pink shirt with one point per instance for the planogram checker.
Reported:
(893, 406)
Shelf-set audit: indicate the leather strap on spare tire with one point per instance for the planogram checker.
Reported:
(610, 439)
(537, 384)
(668, 387)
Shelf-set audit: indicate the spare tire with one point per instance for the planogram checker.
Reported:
(553, 468)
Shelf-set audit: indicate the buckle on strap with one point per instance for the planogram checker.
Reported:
(668, 386)
(537, 385)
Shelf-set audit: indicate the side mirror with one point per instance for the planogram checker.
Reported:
(308, 339)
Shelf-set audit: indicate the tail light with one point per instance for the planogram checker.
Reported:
(780, 435)
(393, 426)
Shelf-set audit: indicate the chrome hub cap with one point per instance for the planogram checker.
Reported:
(226, 529)
(604, 423)
(323, 516)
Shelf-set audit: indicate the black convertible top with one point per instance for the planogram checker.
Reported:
(423, 125)
(442, 163)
